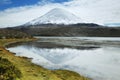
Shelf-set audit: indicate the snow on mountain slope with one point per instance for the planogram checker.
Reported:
(56, 16)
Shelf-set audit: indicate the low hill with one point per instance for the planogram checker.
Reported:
(11, 33)
(77, 30)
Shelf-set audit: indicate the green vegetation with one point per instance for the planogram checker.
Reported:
(8, 71)
(28, 70)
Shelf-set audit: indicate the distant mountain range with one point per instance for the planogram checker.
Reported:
(59, 22)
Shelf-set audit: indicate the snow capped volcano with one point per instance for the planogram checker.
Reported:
(56, 16)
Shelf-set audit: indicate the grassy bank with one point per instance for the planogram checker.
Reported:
(31, 71)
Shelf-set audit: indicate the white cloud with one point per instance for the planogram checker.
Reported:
(102, 11)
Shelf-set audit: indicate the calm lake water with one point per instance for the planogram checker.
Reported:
(94, 57)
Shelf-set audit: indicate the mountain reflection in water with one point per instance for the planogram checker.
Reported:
(96, 58)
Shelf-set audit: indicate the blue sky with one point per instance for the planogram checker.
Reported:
(5, 4)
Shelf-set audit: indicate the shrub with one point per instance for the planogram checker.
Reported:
(8, 71)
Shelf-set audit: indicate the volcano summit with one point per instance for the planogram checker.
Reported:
(56, 16)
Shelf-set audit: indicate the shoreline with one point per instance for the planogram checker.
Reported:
(21, 41)
(75, 75)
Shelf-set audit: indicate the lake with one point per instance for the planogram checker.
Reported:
(95, 57)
